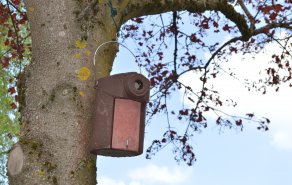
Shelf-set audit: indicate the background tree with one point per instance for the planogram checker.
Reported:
(56, 89)
(14, 55)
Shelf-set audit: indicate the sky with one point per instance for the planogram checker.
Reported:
(224, 157)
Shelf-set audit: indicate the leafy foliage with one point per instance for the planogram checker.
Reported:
(15, 49)
(176, 44)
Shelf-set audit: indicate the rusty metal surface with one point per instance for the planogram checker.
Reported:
(126, 125)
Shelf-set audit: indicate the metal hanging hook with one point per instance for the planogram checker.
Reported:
(116, 42)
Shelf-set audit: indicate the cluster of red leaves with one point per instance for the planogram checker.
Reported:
(272, 11)
(16, 41)
(183, 150)
(281, 72)
(211, 22)
(167, 61)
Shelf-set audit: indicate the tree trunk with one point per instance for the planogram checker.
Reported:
(56, 97)
(57, 88)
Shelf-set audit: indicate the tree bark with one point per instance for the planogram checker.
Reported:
(56, 102)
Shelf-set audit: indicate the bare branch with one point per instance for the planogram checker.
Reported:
(13, 5)
(175, 45)
(287, 25)
(213, 56)
(248, 14)
(280, 44)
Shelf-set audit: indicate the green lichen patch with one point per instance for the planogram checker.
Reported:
(85, 170)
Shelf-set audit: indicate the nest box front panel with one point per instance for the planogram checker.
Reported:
(126, 125)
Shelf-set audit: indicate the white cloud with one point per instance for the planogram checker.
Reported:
(282, 133)
(282, 139)
(103, 180)
(135, 183)
(153, 174)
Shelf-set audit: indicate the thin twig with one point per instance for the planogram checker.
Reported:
(175, 44)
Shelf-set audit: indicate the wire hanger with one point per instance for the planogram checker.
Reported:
(116, 42)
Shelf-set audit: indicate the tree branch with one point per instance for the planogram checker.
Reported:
(138, 8)
(13, 5)
(248, 14)
(213, 56)
(175, 45)
(263, 29)
(16, 29)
